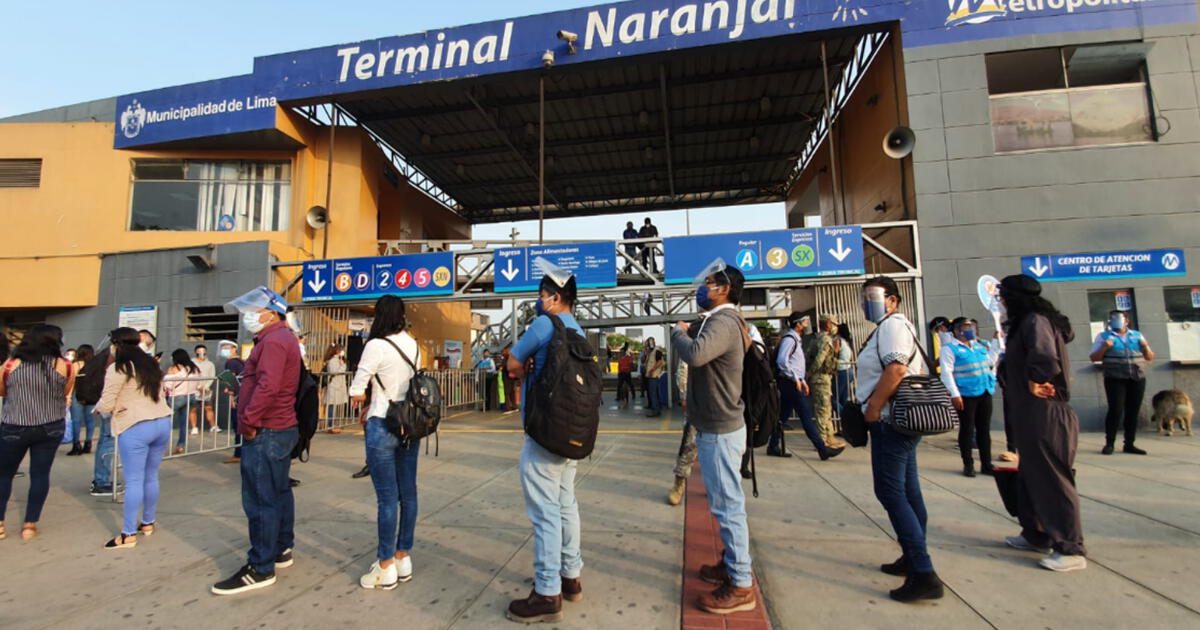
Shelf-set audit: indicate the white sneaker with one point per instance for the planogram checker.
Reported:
(195, 431)
(1063, 563)
(215, 429)
(404, 569)
(380, 578)
(1019, 542)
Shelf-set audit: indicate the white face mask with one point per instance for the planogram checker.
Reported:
(225, 353)
(252, 322)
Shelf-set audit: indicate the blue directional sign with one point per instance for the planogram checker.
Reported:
(362, 278)
(804, 253)
(594, 265)
(1104, 266)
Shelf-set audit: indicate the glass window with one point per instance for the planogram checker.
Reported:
(1183, 304)
(1103, 302)
(1069, 97)
(198, 195)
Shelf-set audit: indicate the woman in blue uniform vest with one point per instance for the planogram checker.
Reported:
(969, 373)
(1124, 353)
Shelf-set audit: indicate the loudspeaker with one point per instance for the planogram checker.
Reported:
(899, 142)
(317, 217)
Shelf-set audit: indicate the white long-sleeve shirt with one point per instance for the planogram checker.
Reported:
(380, 358)
(948, 358)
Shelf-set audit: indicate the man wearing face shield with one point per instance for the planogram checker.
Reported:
(1124, 353)
(969, 373)
(1037, 373)
(889, 355)
(714, 350)
(268, 425)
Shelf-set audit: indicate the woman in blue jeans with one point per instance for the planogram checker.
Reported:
(141, 421)
(182, 385)
(389, 361)
(889, 355)
(81, 410)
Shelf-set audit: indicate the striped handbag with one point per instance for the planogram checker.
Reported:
(922, 404)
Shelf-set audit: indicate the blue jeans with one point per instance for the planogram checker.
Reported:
(41, 442)
(898, 488)
(548, 482)
(393, 468)
(142, 447)
(720, 456)
(653, 404)
(102, 467)
(181, 405)
(841, 393)
(267, 496)
(790, 399)
(81, 416)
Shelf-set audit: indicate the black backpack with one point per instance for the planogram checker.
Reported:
(307, 413)
(89, 384)
(420, 413)
(760, 394)
(563, 411)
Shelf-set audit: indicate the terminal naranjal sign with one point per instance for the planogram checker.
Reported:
(1105, 265)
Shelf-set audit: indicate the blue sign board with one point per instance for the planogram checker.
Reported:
(804, 253)
(1104, 266)
(363, 278)
(594, 265)
(606, 31)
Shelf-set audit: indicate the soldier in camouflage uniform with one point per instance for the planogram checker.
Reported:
(821, 370)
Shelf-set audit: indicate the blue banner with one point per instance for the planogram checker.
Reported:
(196, 110)
(363, 278)
(804, 253)
(594, 265)
(1105, 266)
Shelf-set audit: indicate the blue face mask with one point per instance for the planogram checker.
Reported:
(702, 299)
(539, 308)
(969, 334)
(1117, 322)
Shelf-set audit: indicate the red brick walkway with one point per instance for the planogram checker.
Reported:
(702, 545)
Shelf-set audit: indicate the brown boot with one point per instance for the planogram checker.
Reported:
(715, 573)
(729, 599)
(677, 491)
(536, 608)
(572, 589)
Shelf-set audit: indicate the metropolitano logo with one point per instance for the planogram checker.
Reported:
(133, 119)
(975, 11)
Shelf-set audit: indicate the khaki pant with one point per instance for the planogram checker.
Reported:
(821, 395)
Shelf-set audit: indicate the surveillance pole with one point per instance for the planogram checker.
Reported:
(541, 159)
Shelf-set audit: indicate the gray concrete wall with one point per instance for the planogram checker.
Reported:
(167, 280)
(979, 212)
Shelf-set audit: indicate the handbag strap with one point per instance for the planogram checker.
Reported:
(406, 360)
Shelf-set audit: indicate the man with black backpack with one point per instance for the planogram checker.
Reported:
(267, 421)
(560, 406)
(714, 350)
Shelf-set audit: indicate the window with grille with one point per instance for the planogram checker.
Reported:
(21, 173)
(205, 196)
(209, 323)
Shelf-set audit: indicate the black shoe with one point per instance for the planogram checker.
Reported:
(87, 448)
(899, 567)
(285, 559)
(774, 452)
(75, 450)
(969, 470)
(362, 473)
(1132, 450)
(246, 579)
(987, 470)
(100, 491)
(1107, 450)
(919, 586)
(830, 453)
(293, 482)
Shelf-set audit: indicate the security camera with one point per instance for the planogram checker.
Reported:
(548, 59)
(570, 38)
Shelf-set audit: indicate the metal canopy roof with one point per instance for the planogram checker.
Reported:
(710, 126)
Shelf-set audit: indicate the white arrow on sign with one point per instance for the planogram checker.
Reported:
(1038, 268)
(841, 252)
(511, 272)
(316, 284)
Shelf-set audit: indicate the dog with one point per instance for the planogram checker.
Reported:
(1172, 406)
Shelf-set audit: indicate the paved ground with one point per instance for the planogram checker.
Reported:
(818, 536)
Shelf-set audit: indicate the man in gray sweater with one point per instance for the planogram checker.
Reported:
(714, 349)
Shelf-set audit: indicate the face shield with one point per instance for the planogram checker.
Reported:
(715, 267)
(256, 300)
(556, 274)
(874, 304)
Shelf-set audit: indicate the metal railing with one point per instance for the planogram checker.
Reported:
(335, 400)
(461, 389)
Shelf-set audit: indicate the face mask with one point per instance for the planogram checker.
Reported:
(539, 307)
(702, 299)
(70, 356)
(145, 348)
(874, 304)
(251, 323)
(1117, 322)
(969, 334)
(225, 354)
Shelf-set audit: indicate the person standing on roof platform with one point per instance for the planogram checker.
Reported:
(1124, 353)
(649, 261)
(968, 367)
(547, 479)
(269, 428)
(714, 350)
(631, 249)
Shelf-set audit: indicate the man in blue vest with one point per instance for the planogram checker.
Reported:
(969, 372)
(1124, 353)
